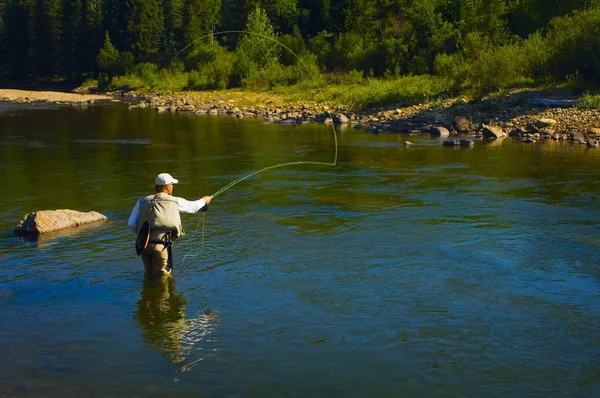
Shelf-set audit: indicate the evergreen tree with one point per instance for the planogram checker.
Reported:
(71, 36)
(46, 36)
(92, 34)
(17, 43)
(114, 20)
(144, 28)
(314, 17)
(200, 18)
(283, 14)
(234, 15)
(109, 58)
(173, 29)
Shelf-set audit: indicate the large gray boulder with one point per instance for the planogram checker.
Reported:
(44, 221)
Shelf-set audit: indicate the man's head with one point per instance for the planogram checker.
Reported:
(164, 183)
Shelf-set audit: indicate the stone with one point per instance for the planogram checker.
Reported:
(439, 131)
(44, 221)
(463, 124)
(544, 123)
(493, 132)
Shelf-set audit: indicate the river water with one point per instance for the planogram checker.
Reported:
(420, 272)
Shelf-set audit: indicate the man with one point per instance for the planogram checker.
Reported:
(161, 211)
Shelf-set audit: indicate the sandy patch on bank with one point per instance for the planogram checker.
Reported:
(51, 96)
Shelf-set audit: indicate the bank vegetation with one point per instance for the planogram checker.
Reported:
(353, 54)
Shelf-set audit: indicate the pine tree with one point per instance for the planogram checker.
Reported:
(71, 37)
(144, 28)
(92, 34)
(200, 18)
(46, 37)
(18, 36)
(108, 58)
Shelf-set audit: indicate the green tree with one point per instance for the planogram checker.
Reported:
(283, 14)
(172, 39)
(314, 17)
(109, 59)
(234, 15)
(200, 19)
(71, 37)
(528, 16)
(114, 20)
(144, 28)
(260, 46)
(18, 36)
(46, 37)
(92, 34)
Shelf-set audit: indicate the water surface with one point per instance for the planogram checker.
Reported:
(420, 271)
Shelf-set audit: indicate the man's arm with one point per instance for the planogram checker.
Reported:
(192, 206)
(133, 218)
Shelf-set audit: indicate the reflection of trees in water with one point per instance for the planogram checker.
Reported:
(161, 312)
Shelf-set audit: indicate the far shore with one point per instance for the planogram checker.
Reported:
(510, 112)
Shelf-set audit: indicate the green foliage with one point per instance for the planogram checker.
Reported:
(282, 13)
(149, 78)
(144, 28)
(200, 17)
(260, 46)
(321, 46)
(243, 68)
(292, 46)
(589, 101)
(573, 44)
(402, 91)
(109, 58)
(474, 44)
(45, 44)
(214, 74)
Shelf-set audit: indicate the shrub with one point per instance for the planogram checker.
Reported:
(574, 42)
(589, 101)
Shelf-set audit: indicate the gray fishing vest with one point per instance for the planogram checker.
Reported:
(163, 218)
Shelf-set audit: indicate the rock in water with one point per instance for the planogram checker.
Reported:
(43, 221)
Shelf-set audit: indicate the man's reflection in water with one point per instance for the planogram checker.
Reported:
(162, 313)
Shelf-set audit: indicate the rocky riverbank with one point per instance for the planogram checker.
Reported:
(529, 114)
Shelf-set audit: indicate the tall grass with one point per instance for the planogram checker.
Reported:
(402, 91)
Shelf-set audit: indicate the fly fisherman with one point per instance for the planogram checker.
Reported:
(156, 221)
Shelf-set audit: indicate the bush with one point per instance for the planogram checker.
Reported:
(573, 42)
(589, 101)
(213, 75)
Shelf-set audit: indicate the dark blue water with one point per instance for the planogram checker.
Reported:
(420, 272)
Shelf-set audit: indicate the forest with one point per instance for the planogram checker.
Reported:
(261, 44)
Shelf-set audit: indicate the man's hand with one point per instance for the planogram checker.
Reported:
(207, 199)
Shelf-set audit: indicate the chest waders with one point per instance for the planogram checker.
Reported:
(167, 242)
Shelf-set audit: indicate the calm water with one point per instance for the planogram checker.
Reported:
(406, 272)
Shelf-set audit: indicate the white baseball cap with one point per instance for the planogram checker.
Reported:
(164, 179)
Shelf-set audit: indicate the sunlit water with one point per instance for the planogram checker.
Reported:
(420, 272)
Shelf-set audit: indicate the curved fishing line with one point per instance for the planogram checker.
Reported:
(201, 222)
(231, 184)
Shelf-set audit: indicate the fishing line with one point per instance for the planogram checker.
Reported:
(201, 222)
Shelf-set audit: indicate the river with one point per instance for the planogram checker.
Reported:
(420, 271)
